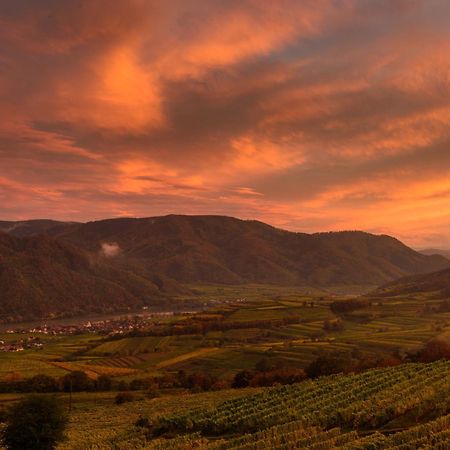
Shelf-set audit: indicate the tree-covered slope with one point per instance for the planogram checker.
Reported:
(435, 284)
(227, 250)
(41, 277)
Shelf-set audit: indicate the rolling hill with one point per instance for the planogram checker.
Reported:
(435, 285)
(217, 249)
(42, 277)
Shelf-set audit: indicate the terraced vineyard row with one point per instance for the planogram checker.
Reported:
(366, 400)
(293, 435)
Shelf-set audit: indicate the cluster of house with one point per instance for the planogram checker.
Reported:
(31, 342)
(106, 326)
(113, 326)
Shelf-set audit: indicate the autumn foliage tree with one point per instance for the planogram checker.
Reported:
(434, 350)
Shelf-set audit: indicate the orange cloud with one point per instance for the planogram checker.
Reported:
(310, 115)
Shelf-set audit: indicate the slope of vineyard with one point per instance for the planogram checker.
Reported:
(432, 435)
(404, 407)
(313, 414)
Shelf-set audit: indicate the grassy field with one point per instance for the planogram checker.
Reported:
(386, 327)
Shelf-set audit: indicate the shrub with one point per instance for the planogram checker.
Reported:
(153, 391)
(123, 397)
(142, 422)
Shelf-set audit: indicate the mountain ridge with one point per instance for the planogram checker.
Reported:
(222, 249)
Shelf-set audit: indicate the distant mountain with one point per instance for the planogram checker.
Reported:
(42, 277)
(434, 251)
(217, 249)
(434, 285)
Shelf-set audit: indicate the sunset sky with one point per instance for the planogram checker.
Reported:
(311, 115)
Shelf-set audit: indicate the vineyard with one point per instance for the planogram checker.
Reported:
(432, 435)
(403, 407)
(313, 414)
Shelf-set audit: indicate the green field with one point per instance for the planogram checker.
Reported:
(386, 327)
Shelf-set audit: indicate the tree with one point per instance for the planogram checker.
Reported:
(434, 350)
(328, 364)
(242, 379)
(35, 423)
(103, 383)
(42, 383)
(76, 381)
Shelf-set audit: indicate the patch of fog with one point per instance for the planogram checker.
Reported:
(110, 249)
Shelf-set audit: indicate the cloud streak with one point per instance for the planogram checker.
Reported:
(312, 115)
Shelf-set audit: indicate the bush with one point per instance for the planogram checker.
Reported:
(35, 423)
(328, 365)
(142, 422)
(153, 391)
(124, 397)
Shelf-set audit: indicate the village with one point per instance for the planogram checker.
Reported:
(107, 327)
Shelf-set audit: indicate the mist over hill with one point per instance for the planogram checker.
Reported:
(44, 277)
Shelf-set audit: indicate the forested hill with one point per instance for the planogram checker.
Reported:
(217, 249)
(436, 285)
(42, 277)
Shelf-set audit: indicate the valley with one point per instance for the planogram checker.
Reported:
(120, 339)
(238, 332)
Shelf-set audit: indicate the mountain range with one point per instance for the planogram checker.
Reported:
(49, 267)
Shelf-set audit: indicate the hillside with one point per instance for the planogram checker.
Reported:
(309, 414)
(225, 250)
(338, 412)
(435, 284)
(215, 249)
(41, 277)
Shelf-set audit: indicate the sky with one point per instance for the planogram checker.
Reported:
(310, 115)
